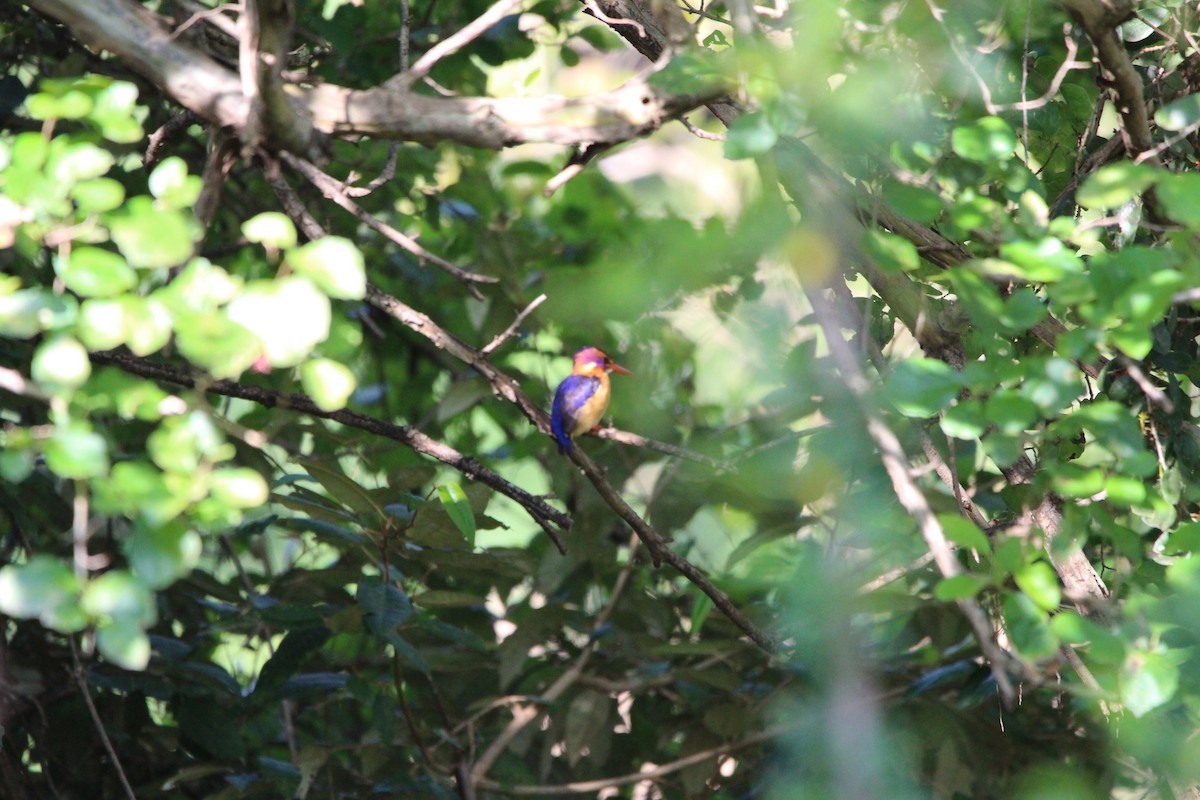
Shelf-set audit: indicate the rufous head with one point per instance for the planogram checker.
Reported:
(591, 360)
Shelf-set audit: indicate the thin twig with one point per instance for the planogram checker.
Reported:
(701, 134)
(199, 14)
(523, 715)
(516, 324)
(637, 440)
(405, 34)
(333, 191)
(80, 530)
(1154, 395)
(652, 774)
(81, 680)
(460, 39)
(614, 21)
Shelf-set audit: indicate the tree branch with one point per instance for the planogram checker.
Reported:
(142, 40)
(545, 515)
(895, 462)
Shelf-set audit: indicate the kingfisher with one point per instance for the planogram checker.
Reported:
(582, 397)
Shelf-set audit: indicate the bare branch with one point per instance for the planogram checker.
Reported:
(545, 515)
(460, 39)
(652, 774)
(895, 462)
(143, 41)
(80, 677)
(516, 324)
(334, 191)
(1100, 19)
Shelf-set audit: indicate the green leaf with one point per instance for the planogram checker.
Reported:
(1040, 582)
(1028, 627)
(964, 533)
(72, 163)
(329, 383)
(272, 229)
(119, 595)
(989, 139)
(124, 643)
(384, 607)
(159, 555)
(1115, 185)
(921, 387)
(98, 195)
(1179, 114)
(1179, 194)
(43, 588)
(61, 363)
(93, 272)
(76, 451)
(1184, 539)
(289, 656)
(1102, 645)
(891, 252)
(218, 344)
(28, 312)
(238, 487)
(750, 135)
(1073, 480)
(454, 500)
(334, 264)
(150, 237)
(1147, 681)
(958, 587)
(171, 184)
(964, 420)
(1042, 260)
(586, 723)
(101, 324)
(289, 316)
(915, 202)
(147, 325)
(1010, 411)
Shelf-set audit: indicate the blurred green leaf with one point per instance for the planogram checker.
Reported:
(989, 139)
(1039, 581)
(92, 272)
(329, 383)
(334, 264)
(76, 451)
(151, 237)
(922, 387)
(750, 135)
(1147, 681)
(958, 587)
(272, 229)
(1115, 184)
(289, 316)
(43, 588)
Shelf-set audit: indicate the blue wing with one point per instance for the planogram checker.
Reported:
(572, 393)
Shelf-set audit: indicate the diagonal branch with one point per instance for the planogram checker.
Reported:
(549, 518)
(334, 191)
(895, 462)
(460, 39)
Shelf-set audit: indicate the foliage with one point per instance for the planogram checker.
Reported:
(274, 503)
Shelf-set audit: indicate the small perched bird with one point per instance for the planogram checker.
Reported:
(582, 397)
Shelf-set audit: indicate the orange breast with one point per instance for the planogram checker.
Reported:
(590, 412)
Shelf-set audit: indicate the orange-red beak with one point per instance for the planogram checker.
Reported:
(617, 368)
